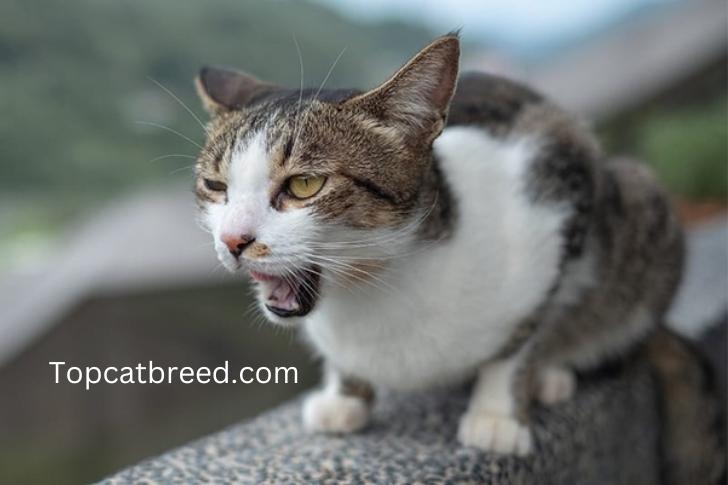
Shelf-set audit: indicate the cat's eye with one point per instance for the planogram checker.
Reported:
(305, 186)
(215, 186)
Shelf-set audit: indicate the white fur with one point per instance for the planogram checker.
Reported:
(556, 384)
(492, 392)
(494, 432)
(327, 411)
(246, 209)
(439, 313)
(490, 422)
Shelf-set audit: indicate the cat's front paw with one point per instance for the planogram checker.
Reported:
(326, 412)
(490, 432)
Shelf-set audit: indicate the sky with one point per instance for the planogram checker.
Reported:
(523, 27)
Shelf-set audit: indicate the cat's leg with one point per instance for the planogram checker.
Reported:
(343, 405)
(491, 422)
(556, 383)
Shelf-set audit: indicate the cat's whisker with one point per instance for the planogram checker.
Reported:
(331, 279)
(306, 260)
(293, 279)
(252, 311)
(172, 155)
(328, 74)
(296, 278)
(366, 277)
(390, 290)
(372, 262)
(187, 108)
(306, 285)
(300, 92)
(370, 241)
(318, 92)
(338, 274)
(199, 219)
(166, 128)
(376, 261)
(352, 270)
(376, 241)
(182, 169)
(216, 269)
(382, 258)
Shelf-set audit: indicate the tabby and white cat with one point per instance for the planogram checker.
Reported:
(435, 229)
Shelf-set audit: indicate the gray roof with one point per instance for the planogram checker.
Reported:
(146, 241)
(632, 64)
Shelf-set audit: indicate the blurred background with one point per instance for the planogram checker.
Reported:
(101, 262)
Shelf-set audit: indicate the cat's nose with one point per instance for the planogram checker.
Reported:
(237, 244)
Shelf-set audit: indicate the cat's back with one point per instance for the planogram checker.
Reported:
(490, 101)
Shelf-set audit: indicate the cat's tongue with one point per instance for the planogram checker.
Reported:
(278, 292)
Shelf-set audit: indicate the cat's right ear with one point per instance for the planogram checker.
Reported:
(223, 90)
(416, 98)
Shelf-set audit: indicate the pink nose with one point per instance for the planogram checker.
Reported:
(237, 244)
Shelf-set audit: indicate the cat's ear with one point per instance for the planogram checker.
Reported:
(223, 90)
(417, 97)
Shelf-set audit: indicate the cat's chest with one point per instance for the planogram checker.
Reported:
(406, 339)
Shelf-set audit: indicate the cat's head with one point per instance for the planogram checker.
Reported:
(306, 188)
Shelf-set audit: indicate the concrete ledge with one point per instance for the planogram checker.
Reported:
(607, 435)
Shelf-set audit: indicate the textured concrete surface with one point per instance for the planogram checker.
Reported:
(607, 435)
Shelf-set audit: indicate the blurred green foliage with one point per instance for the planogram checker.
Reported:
(75, 76)
(688, 149)
(682, 134)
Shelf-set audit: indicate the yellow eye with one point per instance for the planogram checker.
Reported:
(215, 186)
(305, 186)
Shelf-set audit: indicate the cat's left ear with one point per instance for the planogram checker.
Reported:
(223, 90)
(417, 97)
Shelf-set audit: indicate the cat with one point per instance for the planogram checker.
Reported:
(437, 228)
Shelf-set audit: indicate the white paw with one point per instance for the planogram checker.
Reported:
(334, 413)
(556, 384)
(489, 432)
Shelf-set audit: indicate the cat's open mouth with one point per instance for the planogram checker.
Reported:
(293, 295)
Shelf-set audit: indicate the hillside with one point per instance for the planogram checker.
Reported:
(75, 80)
